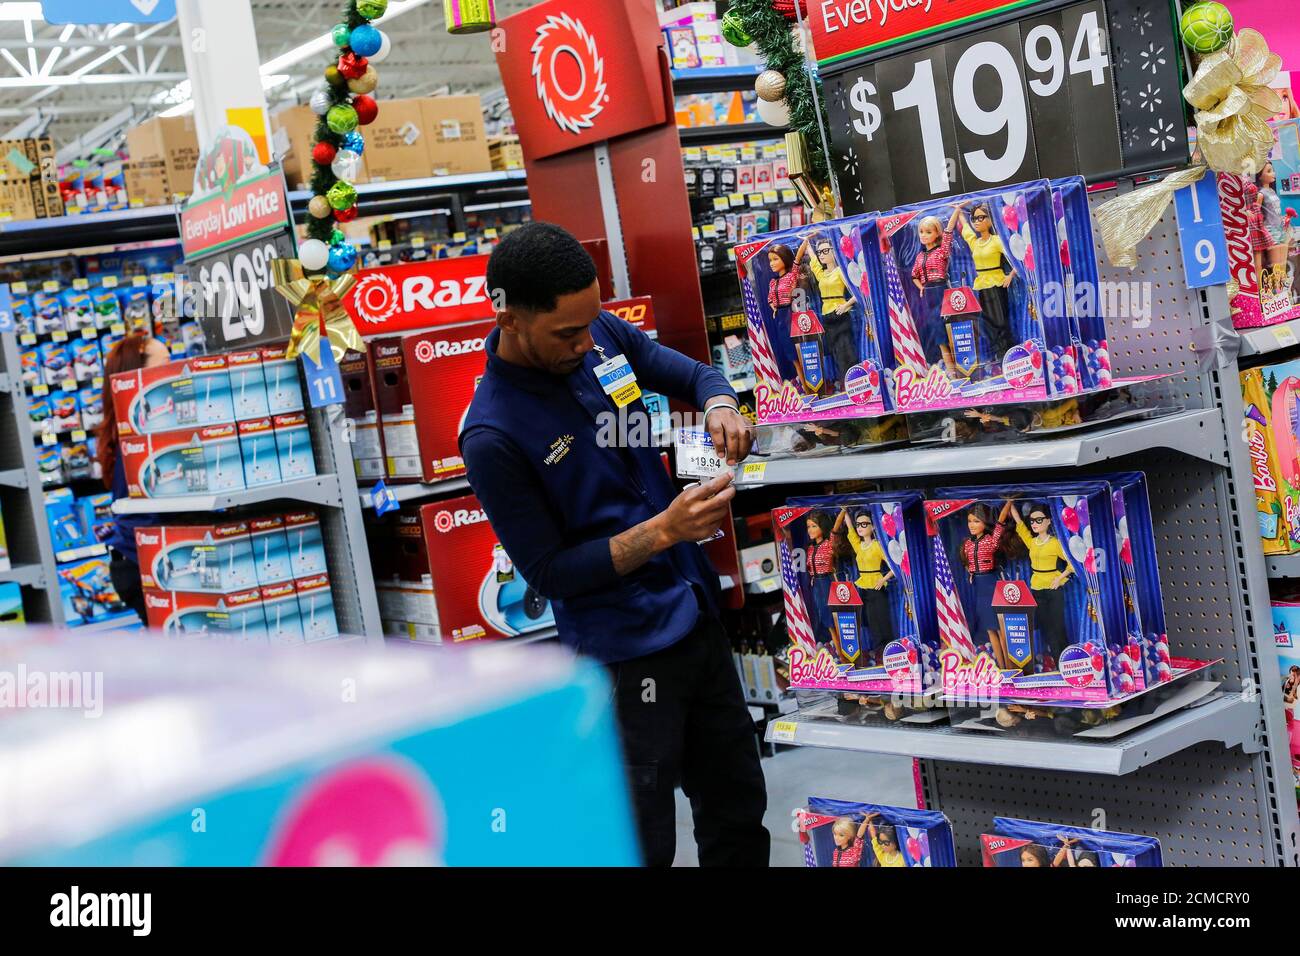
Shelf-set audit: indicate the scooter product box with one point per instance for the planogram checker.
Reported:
(480, 592)
(216, 558)
(861, 568)
(408, 603)
(178, 394)
(282, 612)
(283, 387)
(181, 462)
(316, 607)
(1027, 592)
(293, 444)
(257, 448)
(1269, 394)
(360, 410)
(819, 345)
(270, 547)
(388, 370)
(247, 384)
(1025, 843)
(841, 833)
(306, 546)
(230, 616)
(963, 284)
(444, 367)
(1286, 636)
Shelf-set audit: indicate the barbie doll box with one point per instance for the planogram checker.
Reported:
(1025, 843)
(1286, 635)
(1089, 355)
(201, 460)
(817, 344)
(858, 603)
(1272, 423)
(971, 292)
(1028, 602)
(840, 833)
(480, 592)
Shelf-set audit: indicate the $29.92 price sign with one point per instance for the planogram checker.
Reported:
(1049, 89)
(236, 298)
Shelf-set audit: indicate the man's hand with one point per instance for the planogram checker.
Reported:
(698, 512)
(731, 436)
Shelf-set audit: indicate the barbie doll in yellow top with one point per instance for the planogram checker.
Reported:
(874, 575)
(1052, 571)
(837, 303)
(993, 276)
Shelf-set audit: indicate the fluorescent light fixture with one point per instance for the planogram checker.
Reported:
(21, 11)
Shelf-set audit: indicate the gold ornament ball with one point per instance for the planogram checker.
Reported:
(366, 82)
(770, 86)
(333, 77)
(319, 207)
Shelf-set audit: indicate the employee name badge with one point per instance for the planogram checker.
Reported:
(695, 454)
(618, 380)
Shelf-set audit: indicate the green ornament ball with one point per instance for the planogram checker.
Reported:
(372, 9)
(319, 207)
(1206, 27)
(342, 195)
(341, 34)
(341, 118)
(338, 236)
(733, 29)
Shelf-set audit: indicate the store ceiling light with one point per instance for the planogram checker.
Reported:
(20, 11)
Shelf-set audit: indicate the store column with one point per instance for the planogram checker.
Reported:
(220, 46)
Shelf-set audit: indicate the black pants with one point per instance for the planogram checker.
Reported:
(1051, 620)
(839, 339)
(126, 582)
(683, 719)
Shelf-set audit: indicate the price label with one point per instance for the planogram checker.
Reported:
(40, 390)
(89, 333)
(27, 338)
(753, 472)
(770, 197)
(50, 285)
(417, 242)
(693, 154)
(69, 385)
(748, 153)
(110, 282)
(1285, 336)
(727, 155)
(987, 106)
(721, 203)
(97, 382)
(49, 438)
(458, 237)
(117, 328)
(80, 285)
(708, 232)
(736, 200)
(755, 199)
(18, 288)
(385, 244)
(783, 731)
(139, 282)
(237, 302)
(489, 233)
(78, 435)
(695, 233)
(695, 455)
(58, 335)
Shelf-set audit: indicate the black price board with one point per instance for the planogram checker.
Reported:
(235, 295)
(1052, 89)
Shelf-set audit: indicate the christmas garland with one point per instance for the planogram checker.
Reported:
(343, 104)
(768, 27)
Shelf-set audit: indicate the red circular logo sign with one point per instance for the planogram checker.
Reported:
(444, 521)
(959, 300)
(805, 323)
(570, 74)
(375, 297)
(1012, 593)
(842, 592)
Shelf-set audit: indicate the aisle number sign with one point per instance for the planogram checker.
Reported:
(1200, 234)
(942, 99)
(6, 309)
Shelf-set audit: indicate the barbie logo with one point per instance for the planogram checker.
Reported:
(916, 392)
(785, 402)
(1232, 203)
(963, 679)
(1259, 462)
(804, 671)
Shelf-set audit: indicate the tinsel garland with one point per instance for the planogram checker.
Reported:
(322, 177)
(771, 31)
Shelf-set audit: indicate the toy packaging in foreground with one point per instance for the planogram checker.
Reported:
(973, 292)
(187, 461)
(817, 344)
(1025, 843)
(444, 366)
(1260, 228)
(1272, 416)
(1286, 636)
(856, 569)
(1029, 605)
(480, 593)
(840, 833)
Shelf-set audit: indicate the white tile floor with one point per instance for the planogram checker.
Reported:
(797, 773)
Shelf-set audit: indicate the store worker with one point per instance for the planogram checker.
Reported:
(137, 350)
(599, 528)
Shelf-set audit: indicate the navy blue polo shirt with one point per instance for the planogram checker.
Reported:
(538, 457)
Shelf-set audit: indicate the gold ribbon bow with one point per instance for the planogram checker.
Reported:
(1233, 102)
(317, 301)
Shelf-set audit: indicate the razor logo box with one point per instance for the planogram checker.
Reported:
(232, 616)
(208, 557)
(187, 461)
(479, 592)
(181, 394)
(444, 367)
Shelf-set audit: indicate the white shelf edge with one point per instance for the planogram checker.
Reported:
(415, 492)
(28, 575)
(317, 490)
(1270, 338)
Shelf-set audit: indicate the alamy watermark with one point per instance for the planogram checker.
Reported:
(52, 690)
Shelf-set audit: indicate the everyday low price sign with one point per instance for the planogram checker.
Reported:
(249, 209)
(842, 28)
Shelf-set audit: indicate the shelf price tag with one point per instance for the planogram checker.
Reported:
(748, 153)
(417, 241)
(770, 197)
(40, 390)
(693, 451)
(721, 203)
(693, 154)
(753, 472)
(69, 385)
(789, 195)
(383, 499)
(50, 285)
(58, 335)
(489, 233)
(385, 244)
(89, 333)
(79, 435)
(49, 438)
(110, 282)
(80, 285)
(117, 328)
(458, 237)
(1285, 336)
(139, 282)
(783, 731)
(736, 200)
(27, 338)
(755, 199)
(18, 288)
(97, 382)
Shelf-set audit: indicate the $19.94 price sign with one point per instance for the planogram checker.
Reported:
(1046, 89)
(236, 298)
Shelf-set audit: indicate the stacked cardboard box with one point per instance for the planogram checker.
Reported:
(167, 140)
(29, 182)
(505, 152)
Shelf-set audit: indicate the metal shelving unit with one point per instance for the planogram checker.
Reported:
(418, 492)
(716, 79)
(315, 490)
(1213, 782)
(730, 133)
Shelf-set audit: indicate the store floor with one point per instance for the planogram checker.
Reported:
(795, 774)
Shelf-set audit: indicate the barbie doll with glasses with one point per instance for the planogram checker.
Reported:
(982, 556)
(837, 304)
(1051, 572)
(993, 276)
(874, 577)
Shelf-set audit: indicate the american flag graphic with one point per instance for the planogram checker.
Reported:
(797, 623)
(953, 631)
(759, 347)
(809, 858)
(902, 332)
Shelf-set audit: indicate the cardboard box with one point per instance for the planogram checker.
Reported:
(293, 444)
(397, 144)
(293, 132)
(235, 616)
(457, 142)
(306, 546)
(16, 203)
(283, 614)
(283, 386)
(247, 384)
(173, 140)
(146, 183)
(180, 394)
(505, 152)
(187, 461)
(480, 593)
(316, 608)
(270, 547)
(444, 367)
(359, 408)
(257, 448)
(215, 558)
(396, 411)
